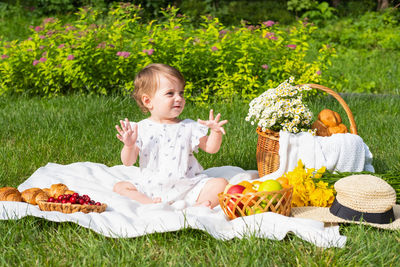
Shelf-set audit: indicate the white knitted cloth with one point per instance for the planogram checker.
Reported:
(339, 152)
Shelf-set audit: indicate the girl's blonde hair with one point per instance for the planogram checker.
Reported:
(147, 81)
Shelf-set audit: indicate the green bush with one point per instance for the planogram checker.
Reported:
(219, 63)
(371, 30)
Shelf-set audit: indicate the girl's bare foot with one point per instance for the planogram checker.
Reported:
(157, 200)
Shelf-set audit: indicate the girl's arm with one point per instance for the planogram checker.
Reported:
(128, 136)
(212, 143)
(129, 155)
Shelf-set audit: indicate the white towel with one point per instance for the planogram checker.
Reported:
(128, 218)
(338, 153)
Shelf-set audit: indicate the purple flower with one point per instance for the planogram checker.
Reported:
(292, 46)
(123, 54)
(318, 72)
(214, 48)
(41, 47)
(29, 50)
(4, 56)
(42, 37)
(38, 29)
(35, 62)
(61, 46)
(222, 33)
(30, 39)
(70, 28)
(70, 57)
(268, 23)
(43, 59)
(176, 27)
(101, 45)
(271, 36)
(49, 20)
(148, 51)
(50, 33)
(111, 45)
(265, 66)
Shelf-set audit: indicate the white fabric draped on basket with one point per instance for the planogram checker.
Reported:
(339, 152)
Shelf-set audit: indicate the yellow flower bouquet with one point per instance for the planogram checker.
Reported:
(308, 188)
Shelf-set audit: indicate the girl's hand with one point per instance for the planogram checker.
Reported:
(214, 124)
(127, 134)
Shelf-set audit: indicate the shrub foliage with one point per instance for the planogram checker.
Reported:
(101, 53)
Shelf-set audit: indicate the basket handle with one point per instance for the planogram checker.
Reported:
(353, 127)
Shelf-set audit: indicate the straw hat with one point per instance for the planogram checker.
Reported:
(365, 199)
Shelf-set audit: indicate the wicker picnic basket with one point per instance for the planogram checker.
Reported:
(268, 142)
(238, 205)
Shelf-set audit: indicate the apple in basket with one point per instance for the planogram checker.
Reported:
(271, 185)
(235, 189)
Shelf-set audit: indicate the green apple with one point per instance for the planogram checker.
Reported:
(251, 211)
(271, 185)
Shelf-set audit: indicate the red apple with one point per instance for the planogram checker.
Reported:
(235, 189)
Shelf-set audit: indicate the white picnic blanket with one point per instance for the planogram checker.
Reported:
(127, 218)
(339, 152)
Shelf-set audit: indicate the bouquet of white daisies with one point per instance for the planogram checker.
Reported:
(282, 108)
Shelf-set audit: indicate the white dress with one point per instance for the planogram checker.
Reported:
(168, 168)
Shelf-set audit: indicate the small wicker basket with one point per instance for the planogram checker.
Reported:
(70, 208)
(268, 142)
(238, 205)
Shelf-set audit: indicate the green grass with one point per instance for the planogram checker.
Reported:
(366, 71)
(81, 128)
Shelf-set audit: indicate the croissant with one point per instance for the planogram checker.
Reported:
(10, 194)
(59, 189)
(34, 195)
(47, 190)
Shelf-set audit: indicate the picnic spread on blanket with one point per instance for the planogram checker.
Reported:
(284, 195)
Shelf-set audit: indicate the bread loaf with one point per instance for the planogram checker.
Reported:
(34, 195)
(329, 117)
(322, 129)
(329, 122)
(10, 194)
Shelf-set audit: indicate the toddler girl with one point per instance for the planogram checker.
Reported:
(165, 144)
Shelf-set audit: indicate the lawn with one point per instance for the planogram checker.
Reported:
(81, 128)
